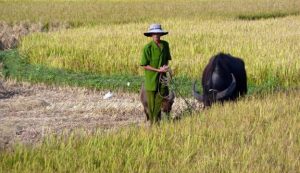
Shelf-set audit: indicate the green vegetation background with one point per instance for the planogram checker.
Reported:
(259, 133)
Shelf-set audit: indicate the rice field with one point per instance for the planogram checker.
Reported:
(265, 34)
(93, 12)
(258, 133)
(270, 48)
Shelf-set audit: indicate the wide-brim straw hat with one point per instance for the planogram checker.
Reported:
(155, 29)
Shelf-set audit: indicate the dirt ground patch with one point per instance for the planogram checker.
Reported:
(34, 111)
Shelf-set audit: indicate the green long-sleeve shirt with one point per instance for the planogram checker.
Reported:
(155, 57)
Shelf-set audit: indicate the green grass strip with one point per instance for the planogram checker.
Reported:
(17, 67)
(268, 15)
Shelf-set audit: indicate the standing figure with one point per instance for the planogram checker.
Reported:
(155, 60)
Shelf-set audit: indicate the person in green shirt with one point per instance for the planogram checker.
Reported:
(155, 59)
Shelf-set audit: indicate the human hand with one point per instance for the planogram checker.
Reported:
(163, 69)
